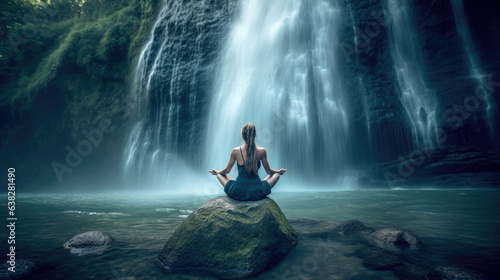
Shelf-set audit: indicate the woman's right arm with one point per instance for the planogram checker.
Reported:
(232, 160)
(268, 169)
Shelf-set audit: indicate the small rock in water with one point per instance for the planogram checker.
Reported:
(90, 242)
(353, 227)
(229, 239)
(377, 258)
(394, 237)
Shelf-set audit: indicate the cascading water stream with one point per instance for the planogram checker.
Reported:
(355, 38)
(140, 138)
(366, 110)
(475, 69)
(164, 142)
(276, 65)
(418, 100)
(278, 70)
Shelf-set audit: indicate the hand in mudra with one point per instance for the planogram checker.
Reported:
(213, 172)
(282, 171)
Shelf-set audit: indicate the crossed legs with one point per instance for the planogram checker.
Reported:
(272, 179)
(223, 179)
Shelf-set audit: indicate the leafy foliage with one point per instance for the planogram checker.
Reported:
(64, 67)
(71, 48)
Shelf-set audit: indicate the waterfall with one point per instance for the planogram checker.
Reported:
(355, 38)
(417, 99)
(142, 138)
(212, 66)
(475, 69)
(366, 111)
(168, 93)
(278, 70)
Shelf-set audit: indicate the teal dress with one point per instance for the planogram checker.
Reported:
(247, 186)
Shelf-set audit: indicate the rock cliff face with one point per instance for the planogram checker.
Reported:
(441, 167)
(172, 85)
(461, 116)
(229, 239)
(180, 82)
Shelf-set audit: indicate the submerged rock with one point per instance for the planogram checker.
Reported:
(229, 239)
(376, 258)
(458, 273)
(353, 227)
(313, 227)
(23, 268)
(416, 272)
(395, 237)
(90, 242)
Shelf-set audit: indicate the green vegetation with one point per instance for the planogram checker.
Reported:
(64, 67)
(79, 51)
(62, 46)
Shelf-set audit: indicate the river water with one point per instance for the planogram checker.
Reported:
(458, 227)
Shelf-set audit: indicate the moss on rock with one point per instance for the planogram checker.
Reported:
(229, 239)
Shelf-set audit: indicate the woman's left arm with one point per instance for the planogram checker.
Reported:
(232, 160)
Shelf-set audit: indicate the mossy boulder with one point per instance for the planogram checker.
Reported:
(229, 239)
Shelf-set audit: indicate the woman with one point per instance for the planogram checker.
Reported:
(248, 185)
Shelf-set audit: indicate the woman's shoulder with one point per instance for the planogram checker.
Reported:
(236, 150)
(260, 150)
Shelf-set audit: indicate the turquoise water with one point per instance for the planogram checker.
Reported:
(459, 227)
